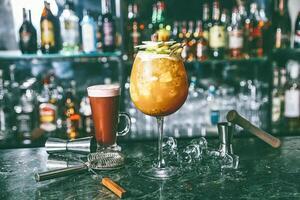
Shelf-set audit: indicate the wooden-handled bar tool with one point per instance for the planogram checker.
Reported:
(234, 117)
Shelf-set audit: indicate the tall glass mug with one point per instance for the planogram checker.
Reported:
(104, 100)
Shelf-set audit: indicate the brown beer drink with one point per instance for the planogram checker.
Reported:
(104, 100)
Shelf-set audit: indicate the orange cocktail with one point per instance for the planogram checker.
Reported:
(159, 87)
(158, 83)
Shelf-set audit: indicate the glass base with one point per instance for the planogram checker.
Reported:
(113, 147)
(160, 173)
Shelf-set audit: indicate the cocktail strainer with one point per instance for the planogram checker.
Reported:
(95, 161)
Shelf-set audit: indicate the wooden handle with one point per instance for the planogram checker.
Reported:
(234, 117)
(114, 187)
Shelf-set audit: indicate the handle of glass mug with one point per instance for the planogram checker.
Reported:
(128, 124)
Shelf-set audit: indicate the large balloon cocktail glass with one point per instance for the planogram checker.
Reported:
(158, 87)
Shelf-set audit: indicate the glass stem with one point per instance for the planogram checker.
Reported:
(160, 125)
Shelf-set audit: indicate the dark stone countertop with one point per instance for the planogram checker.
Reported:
(263, 173)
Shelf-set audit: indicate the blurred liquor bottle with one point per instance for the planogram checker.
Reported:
(253, 28)
(4, 123)
(282, 26)
(217, 33)
(56, 96)
(47, 108)
(182, 32)
(163, 32)
(26, 112)
(88, 32)
(242, 11)
(153, 26)
(281, 93)
(235, 35)
(49, 29)
(297, 32)
(246, 28)
(86, 114)
(267, 31)
(99, 32)
(134, 30)
(13, 84)
(161, 13)
(190, 46)
(12, 91)
(69, 24)
(206, 24)
(182, 38)
(225, 20)
(292, 98)
(27, 34)
(108, 27)
(175, 31)
(276, 102)
(202, 51)
(72, 119)
(150, 29)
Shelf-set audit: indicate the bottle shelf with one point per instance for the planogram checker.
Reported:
(221, 61)
(286, 54)
(17, 55)
(230, 60)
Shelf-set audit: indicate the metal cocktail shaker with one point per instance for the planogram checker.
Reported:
(82, 145)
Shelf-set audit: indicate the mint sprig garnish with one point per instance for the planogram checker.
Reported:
(171, 48)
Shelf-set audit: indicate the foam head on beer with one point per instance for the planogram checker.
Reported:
(103, 90)
(104, 101)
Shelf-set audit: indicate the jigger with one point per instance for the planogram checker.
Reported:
(58, 163)
(225, 131)
(82, 145)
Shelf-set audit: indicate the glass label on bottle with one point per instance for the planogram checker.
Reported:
(25, 37)
(70, 33)
(135, 35)
(108, 37)
(201, 50)
(23, 121)
(281, 39)
(135, 38)
(48, 116)
(276, 106)
(88, 38)
(278, 38)
(235, 39)
(217, 37)
(88, 124)
(292, 100)
(47, 35)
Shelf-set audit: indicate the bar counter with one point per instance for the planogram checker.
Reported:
(263, 173)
